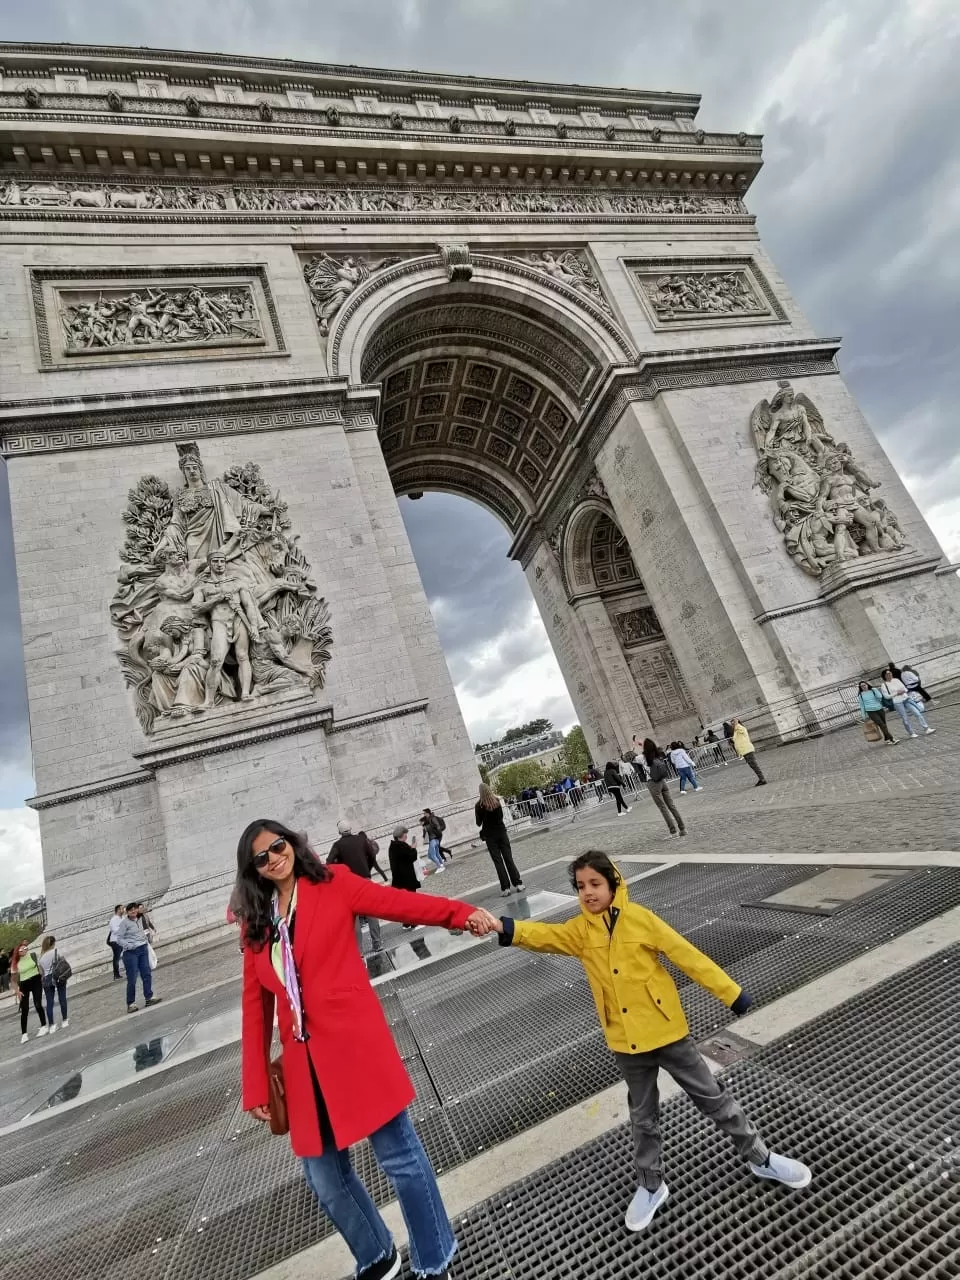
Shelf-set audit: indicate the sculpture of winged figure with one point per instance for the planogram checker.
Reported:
(569, 268)
(332, 280)
(789, 421)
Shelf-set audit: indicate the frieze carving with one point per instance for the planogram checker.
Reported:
(692, 294)
(96, 320)
(81, 196)
(636, 626)
(822, 499)
(569, 267)
(214, 602)
(332, 280)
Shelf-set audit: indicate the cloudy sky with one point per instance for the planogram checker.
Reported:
(859, 202)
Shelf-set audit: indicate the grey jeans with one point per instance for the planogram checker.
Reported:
(751, 759)
(686, 1064)
(375, 938)
(660, 793)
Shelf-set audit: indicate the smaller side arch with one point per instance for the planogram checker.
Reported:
(576, 542)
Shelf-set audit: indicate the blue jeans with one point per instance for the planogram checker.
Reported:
(433, 852)
(687, 775)
(137, 961)
(60, 991)
(912, 706)
(347, 1203)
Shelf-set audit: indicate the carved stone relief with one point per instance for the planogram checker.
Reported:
(214, 602)
(821, 497)
(117, 320)
(695, 293)
(660, 682)
(569, 267)
(637, 626)
(332, 280)
(369, 198)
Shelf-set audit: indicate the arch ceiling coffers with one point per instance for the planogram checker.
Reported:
(483, 381)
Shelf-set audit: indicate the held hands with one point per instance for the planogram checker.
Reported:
(482, 922)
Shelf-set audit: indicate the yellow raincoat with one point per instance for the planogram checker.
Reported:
(741, 740)
(637, 1000)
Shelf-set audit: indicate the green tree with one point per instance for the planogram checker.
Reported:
(484, 774)
(576, 753)
(11, 934)
(514, 778)
(532, 729)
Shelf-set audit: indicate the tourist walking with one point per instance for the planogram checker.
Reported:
(658, 778)
(872, 708)
(112, 942)
(136, 958)
(4, 972)
(745, 749)
(713, 741)
(27, 986)
(55, 972)
(681, 761)
(358, 852)
(493, 833)
(343, 1079)
(613, 781)
(619, 944)
(905, 703)
(433, 827)
(404, 860)
(911, 679)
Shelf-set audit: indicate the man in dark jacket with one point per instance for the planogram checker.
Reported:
(358, 852)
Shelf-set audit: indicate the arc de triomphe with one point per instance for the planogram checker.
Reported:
(249, 302)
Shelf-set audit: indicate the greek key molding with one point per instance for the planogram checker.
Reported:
(109, 421)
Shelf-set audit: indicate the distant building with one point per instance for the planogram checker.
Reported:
(501, 753)
(28, 909)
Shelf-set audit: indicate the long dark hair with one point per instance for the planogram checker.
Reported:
(651, 751)
(252, 895)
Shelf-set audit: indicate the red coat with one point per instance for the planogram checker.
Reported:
(361, 1075)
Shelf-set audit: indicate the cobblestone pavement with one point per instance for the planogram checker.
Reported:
(837, 793)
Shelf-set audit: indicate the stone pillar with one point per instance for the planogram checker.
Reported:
(613, 676)
(574, 654)
(723, 655)
(417, 633)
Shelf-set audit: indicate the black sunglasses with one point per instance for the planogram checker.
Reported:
(261, 859)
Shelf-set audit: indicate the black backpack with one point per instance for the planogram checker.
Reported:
(659, 770)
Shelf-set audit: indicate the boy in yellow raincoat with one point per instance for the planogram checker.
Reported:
(619, 945)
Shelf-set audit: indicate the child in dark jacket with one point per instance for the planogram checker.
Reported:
(619, 945)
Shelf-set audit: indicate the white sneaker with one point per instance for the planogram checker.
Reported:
(698, 788)
(930, 731)
(52, 1027)
(628, 809)
(643, 1206)
(41, 1032)
(64, 1024)
(505, 893)
(782, 1169)
(24, 1038)
(911, 735)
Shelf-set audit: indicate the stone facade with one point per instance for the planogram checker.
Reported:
(363, 286)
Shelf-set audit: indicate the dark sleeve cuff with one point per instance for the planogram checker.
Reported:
(505, 939)
(742, 1003)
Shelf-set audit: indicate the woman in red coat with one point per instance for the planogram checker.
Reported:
(343, 1077)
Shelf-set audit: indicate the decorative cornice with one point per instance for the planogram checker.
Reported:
(95, 422)
(375, 717)
(51, 799)
(199, 741)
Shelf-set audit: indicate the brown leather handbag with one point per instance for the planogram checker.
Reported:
(279, 1120)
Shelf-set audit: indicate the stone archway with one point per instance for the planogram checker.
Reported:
(483, 386)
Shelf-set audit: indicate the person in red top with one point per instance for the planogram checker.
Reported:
(343, 1077)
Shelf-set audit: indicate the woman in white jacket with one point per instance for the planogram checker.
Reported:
(904, 702)
(681, 761)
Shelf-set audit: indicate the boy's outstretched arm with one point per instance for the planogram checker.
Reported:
(698, 966)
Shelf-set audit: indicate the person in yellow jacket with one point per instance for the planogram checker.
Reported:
(745, 749)
(619, 945)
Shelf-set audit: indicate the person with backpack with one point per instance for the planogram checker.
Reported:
(55, 971)
(358, 852)
(433, 828)
(658, 771)
(613, 781)
(905, 703)
(27, 986)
